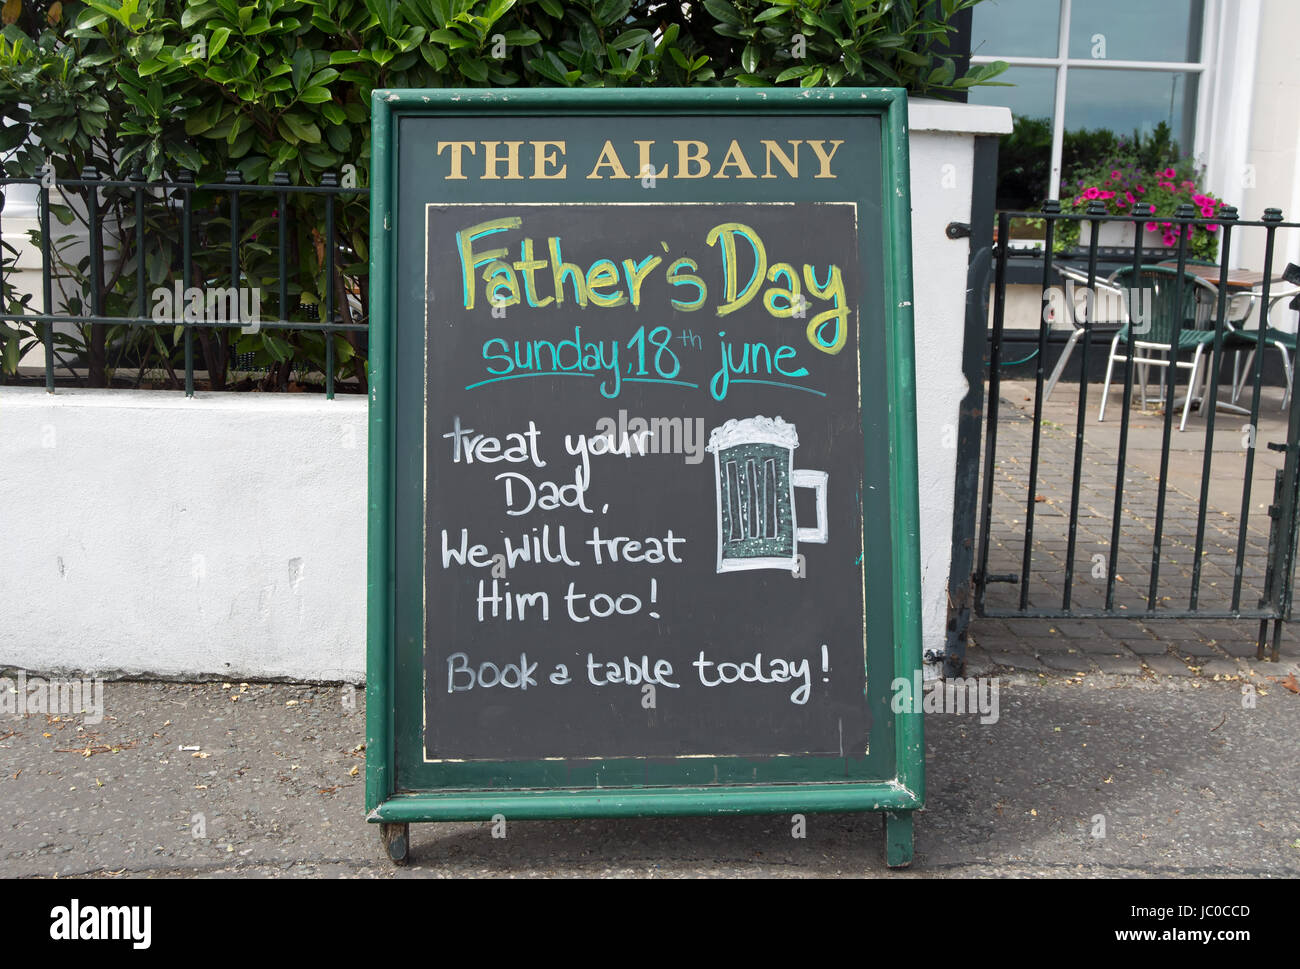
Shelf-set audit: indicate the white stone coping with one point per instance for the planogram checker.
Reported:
(121, 399)
(925, 114)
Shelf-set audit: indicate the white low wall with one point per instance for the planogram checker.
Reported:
(226, 535)
(942, 162)
(147, 533)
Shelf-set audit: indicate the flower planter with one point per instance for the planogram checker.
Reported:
(1115, 234)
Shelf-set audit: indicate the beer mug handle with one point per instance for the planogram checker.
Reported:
(817, 481)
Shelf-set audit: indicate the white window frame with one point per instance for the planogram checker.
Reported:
(1062, 62)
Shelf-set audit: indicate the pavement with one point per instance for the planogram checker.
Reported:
(1082, 774)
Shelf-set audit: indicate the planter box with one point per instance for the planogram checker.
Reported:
(1119, 235)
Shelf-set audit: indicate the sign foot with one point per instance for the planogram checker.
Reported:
(898, 839)
(396, 839)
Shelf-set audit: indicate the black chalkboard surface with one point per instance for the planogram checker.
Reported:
(643, 497)
(626, 489)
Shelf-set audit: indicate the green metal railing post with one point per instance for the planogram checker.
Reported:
(47, 280)
(329, 180)
(187, 232)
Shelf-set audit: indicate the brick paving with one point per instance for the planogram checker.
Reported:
(1206, 647)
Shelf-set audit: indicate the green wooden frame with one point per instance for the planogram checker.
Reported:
(897, 795)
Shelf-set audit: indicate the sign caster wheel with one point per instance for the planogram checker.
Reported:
(396, 839)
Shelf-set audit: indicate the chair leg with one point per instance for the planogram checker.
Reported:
(1191, 383)
(1105, 389)
(1060, 364)
(1286, 369)
(1239, 383)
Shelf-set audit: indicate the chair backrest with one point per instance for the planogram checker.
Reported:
(1152, 294)
(1109, 301)
(1281, 317)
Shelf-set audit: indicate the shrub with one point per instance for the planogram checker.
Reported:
(165, 86)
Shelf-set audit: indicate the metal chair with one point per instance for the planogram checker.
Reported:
(1100, 288)
(1283, 339)
(1156, 321)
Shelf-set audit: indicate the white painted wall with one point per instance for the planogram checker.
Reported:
(942, 161)
(147, 533)
(226, 534)
(1273, 144)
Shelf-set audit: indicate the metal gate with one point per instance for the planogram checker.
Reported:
(1132, 516)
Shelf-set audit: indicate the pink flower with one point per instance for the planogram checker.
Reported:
(1105, 195)
(1139, 188)
(1168, 186)
(1130, 197)
(1189, 185)
(1151, 227)
(1115, 173)
(1211, 228)
(1169, 239)
(1091, 193)
(1168, 173)
(1206, 211)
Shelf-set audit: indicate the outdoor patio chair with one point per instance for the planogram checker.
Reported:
(1153, 344)
(1284, 339)
(1102, 289)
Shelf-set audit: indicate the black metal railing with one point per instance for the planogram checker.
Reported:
(135, 242)
(1156, 538)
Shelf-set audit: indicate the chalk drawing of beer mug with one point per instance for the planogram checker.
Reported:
(753, 460)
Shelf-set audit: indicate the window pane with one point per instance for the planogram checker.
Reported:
(1136, 30)
(1033, 96)
(1025, 155)
(1126, 102)
(1015, 28)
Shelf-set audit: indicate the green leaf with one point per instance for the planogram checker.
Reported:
(724, 11)
(474, 69)
(277, 346)
(302, 128)
(315, 95)
(302, 65)
(219, 38)
(12, 353)
(630, 38)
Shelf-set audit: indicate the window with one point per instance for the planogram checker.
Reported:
(1086, 73)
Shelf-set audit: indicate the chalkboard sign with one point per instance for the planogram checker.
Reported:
(642, 456)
